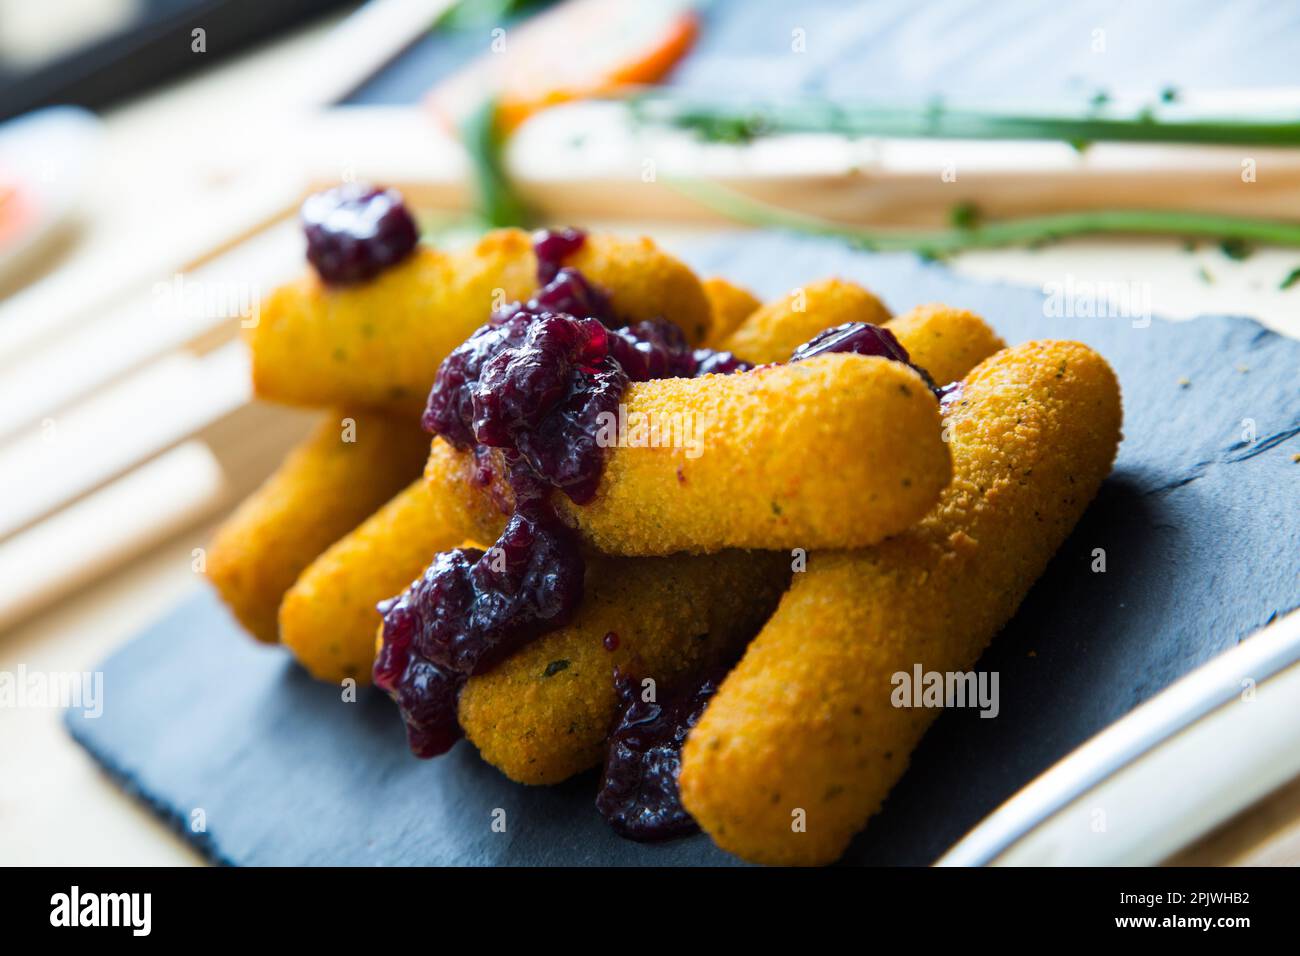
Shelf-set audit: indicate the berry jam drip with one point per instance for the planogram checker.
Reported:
(532, 384)
(860, 338)
(355, 232)
(469, 611)
(638, 792)
(425, 693)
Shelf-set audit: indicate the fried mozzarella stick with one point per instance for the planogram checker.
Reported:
(544, 714)
(775, 330)
(324, 489)
(729, 305)
(801, 744)
(836, 451)
(328, 617)
(379, 344)
(944, 341)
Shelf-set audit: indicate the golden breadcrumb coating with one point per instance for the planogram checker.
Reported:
(328, 617)
(324, 488)
(543, 715)
(379, 344)
(944, 341)
(837, 451)
(776, 329)
(729, 305)
(805, 722)
(644, 282)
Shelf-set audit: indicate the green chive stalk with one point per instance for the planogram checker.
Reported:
(730, 121)
(976, 234)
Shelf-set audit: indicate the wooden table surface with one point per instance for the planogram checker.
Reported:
(56, 807)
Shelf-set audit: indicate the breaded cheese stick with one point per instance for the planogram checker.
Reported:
(543, 715)
(325, 488)
(328, 617)
(944, 341)
(379, 344)
(804, 725)
(644, 282)
(729, 305)
(776, 329)
(835, 451)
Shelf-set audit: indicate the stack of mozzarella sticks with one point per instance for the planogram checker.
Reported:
(836, 521)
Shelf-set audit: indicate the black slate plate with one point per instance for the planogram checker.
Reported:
(1201, 532)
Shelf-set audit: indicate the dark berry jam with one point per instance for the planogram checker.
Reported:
(709, 362)
(425, 694)
(533, 384)
(638, 791)
(538, 383)
(552, 247)
(355, 232)
(544, 400)
(859, 338)
(568, 291)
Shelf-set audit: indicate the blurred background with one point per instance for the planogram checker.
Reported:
(153, 154)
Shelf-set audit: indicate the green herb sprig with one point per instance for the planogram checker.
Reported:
(737, 122)
(974, 232)
(496, 202)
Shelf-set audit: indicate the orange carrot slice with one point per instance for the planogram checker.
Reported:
(580, 49)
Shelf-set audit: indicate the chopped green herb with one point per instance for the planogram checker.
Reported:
(964, 215)
(1291, 279)
(554, 667)
(466, 15)
(1235, 248)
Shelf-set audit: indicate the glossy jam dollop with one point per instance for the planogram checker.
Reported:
(638, 793)
(355, 232)
(859, 338)
(542, 399)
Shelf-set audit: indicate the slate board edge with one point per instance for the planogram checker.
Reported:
(124, 778)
